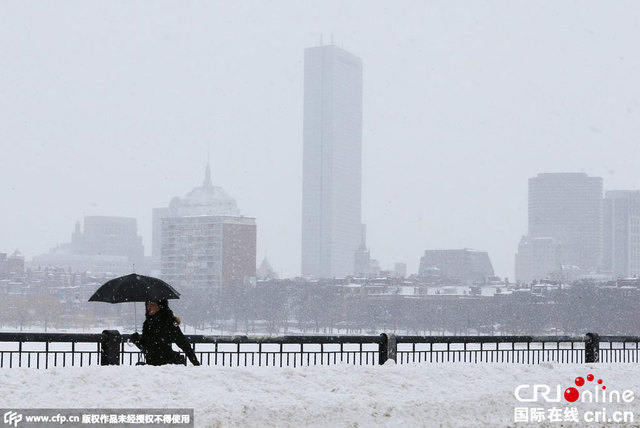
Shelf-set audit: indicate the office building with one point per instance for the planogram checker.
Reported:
(537, 258)
(208, 252)
(466, 265)
(331, 191)
(108, 236)
(107, 245)
(203, 200)
(621, 233)
(12, 265)
(567, 208)
(202, 241)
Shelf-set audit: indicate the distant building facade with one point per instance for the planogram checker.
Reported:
(107, 245)
(621, 233)
(12, 265)
(537, 258)
(108, 236)
(265, 271)
(203, 242)
(566, 208)
(464, 265)
(208, 252)
(332, 172)
(363, 264)
(204, 200)
(400, 269)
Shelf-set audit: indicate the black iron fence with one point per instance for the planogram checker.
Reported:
(497, 349)
(44, 350)
(287, 350)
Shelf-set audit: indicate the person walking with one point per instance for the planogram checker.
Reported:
(160, 330)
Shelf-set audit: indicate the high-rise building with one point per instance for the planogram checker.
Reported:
(204, 200)
(107, 245)
(109, 236)
(567, 208)
(12, 265)
(332, 172)
(537, 258)
(215, 253)
(203, 242)
(621, 233)
(400, 269)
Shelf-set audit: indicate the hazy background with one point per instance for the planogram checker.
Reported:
(109, 109)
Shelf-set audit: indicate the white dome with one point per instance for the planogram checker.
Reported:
(205, 200)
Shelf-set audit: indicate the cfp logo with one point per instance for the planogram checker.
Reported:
(12, 418)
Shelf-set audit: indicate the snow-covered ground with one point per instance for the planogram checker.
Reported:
(429, 395)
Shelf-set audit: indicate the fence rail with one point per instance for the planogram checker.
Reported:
(44, 350)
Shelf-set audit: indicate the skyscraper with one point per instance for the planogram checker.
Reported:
(622, 233)
(566, 207)
(204, 200)
(216, 253)
(203, 242)
(332, 172)
(107, 244)
(537, 258)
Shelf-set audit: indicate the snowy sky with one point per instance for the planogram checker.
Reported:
(110, 108)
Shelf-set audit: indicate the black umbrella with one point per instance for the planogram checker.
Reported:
(134, 288)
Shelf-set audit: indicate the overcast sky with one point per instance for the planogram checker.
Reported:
(109, 109)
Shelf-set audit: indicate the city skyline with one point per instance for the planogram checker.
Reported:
(110, 110)
(554, 198)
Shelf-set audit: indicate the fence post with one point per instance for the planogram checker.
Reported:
(110, 348)
(388, 348)
(592, 348)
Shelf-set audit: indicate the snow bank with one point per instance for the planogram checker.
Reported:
(429, 395)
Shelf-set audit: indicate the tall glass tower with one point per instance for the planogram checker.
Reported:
(568, 208)
(332, 152)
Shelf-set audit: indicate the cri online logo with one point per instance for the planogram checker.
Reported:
(571, 394)
(600, 394)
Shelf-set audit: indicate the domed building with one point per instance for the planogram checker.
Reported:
(202, 241)
(205, 200)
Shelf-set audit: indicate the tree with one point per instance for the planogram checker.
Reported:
(48, 310)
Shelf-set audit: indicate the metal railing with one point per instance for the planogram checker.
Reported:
(44, 350)
(618, 349)
(281, 351)
(490, 349)
(289, 351)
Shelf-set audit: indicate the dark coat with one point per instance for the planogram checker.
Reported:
(159, 331)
